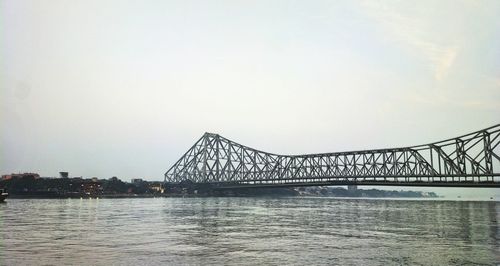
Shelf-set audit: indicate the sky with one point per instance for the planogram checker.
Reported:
(124, 88)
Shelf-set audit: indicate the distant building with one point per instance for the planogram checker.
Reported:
(64, 174)
(156, 186)
(136, 181)
(23, 175)
(352, 187)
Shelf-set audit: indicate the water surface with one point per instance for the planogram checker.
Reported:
(248, 231)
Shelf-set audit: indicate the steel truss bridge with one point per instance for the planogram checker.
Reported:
(471, 160)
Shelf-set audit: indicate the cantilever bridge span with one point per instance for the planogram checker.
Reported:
(471, 160)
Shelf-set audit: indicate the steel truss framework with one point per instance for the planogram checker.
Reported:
(470, 160)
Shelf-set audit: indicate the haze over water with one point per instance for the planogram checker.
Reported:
(249, 231)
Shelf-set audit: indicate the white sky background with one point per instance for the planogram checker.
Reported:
(124, 88)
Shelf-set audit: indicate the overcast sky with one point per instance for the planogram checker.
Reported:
(124, 88)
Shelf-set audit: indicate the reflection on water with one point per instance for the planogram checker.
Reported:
(249, 231)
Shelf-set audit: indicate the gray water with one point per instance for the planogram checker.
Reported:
(248, 231)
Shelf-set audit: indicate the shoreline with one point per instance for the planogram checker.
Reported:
(138, 196)
(440, 199)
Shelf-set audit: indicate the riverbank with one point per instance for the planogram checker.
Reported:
(61, 188)
(84, 196)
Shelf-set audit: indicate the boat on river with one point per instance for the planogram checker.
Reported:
(3, 195)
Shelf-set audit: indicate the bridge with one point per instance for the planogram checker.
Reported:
(471, 160)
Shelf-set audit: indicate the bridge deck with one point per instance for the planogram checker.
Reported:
(484, 184)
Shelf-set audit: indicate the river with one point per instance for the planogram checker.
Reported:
(249, 231)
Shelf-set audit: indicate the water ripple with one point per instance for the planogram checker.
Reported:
(248, 231)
